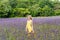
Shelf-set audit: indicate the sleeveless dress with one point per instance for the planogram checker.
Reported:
(29, 26)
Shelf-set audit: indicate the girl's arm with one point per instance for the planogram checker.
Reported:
(32, 26)
(26, 27)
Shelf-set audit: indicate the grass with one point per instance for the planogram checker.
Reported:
(42, 32)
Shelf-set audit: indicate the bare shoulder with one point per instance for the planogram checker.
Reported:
(30, 20)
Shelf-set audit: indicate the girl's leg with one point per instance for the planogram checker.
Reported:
(29, 34)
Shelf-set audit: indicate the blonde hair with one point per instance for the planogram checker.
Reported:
(30, 16)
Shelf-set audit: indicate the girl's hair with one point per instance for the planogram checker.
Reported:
(30, 16)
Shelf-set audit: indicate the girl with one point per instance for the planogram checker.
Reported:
(29, 25)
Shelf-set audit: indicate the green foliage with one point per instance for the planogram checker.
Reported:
(4, 9)
(18, 12)
(21, 8)
(34, 10)
(57, 12)
(46, 11)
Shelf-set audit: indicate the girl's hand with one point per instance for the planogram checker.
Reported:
(33, 31)
(26, 29)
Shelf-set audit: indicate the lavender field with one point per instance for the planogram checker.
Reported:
(46, 28)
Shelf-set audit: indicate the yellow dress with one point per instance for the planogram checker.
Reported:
(29, 26)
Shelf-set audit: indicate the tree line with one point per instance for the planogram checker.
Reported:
(21, 8)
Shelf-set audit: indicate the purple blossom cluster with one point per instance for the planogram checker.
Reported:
(46, 28)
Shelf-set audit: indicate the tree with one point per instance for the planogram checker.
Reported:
(4, 8)
(46, 11)
(18, 12)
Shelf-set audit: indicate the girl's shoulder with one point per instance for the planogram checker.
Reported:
(29, 20)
